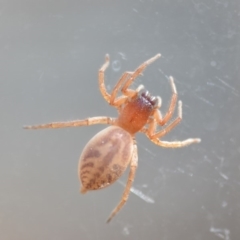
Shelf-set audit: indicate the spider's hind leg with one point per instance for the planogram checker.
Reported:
(131, 176)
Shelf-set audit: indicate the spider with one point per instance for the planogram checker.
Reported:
(107, 155)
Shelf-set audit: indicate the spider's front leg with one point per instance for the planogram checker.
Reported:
(157, 118)
(118, 101)
(139, 71)
(154, 135)
(126, 80)
(112, 98)
(129, 92)
(131, 176)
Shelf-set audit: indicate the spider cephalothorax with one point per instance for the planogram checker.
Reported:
(134, 114)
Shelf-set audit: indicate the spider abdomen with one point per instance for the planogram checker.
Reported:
(105, 158)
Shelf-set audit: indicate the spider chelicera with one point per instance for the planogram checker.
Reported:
(107, 155)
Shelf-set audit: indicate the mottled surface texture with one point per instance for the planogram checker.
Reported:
(105, 158)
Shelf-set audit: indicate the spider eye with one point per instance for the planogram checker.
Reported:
(146, 94)
(142, 92)
(154, 101)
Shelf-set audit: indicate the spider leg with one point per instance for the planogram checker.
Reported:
(111, 98)
(133, 167)
(76, 123)
(175, 144)
(152, 121)
(120, 100)
(154, 137)
(138, 72)
(101, 80)
(131, 93)
(157, 113)
(130, 76)
(167, 129)
(172, 105)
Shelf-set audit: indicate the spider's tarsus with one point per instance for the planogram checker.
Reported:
(107, 57)
(153, 59)
(171, 80)
(180, 109)
(109, 219)
(27, 127)
(33, 127)
(173, 86)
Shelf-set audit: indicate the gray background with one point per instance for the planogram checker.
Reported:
(50, 52)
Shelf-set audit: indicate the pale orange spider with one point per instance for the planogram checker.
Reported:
(107, 155)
